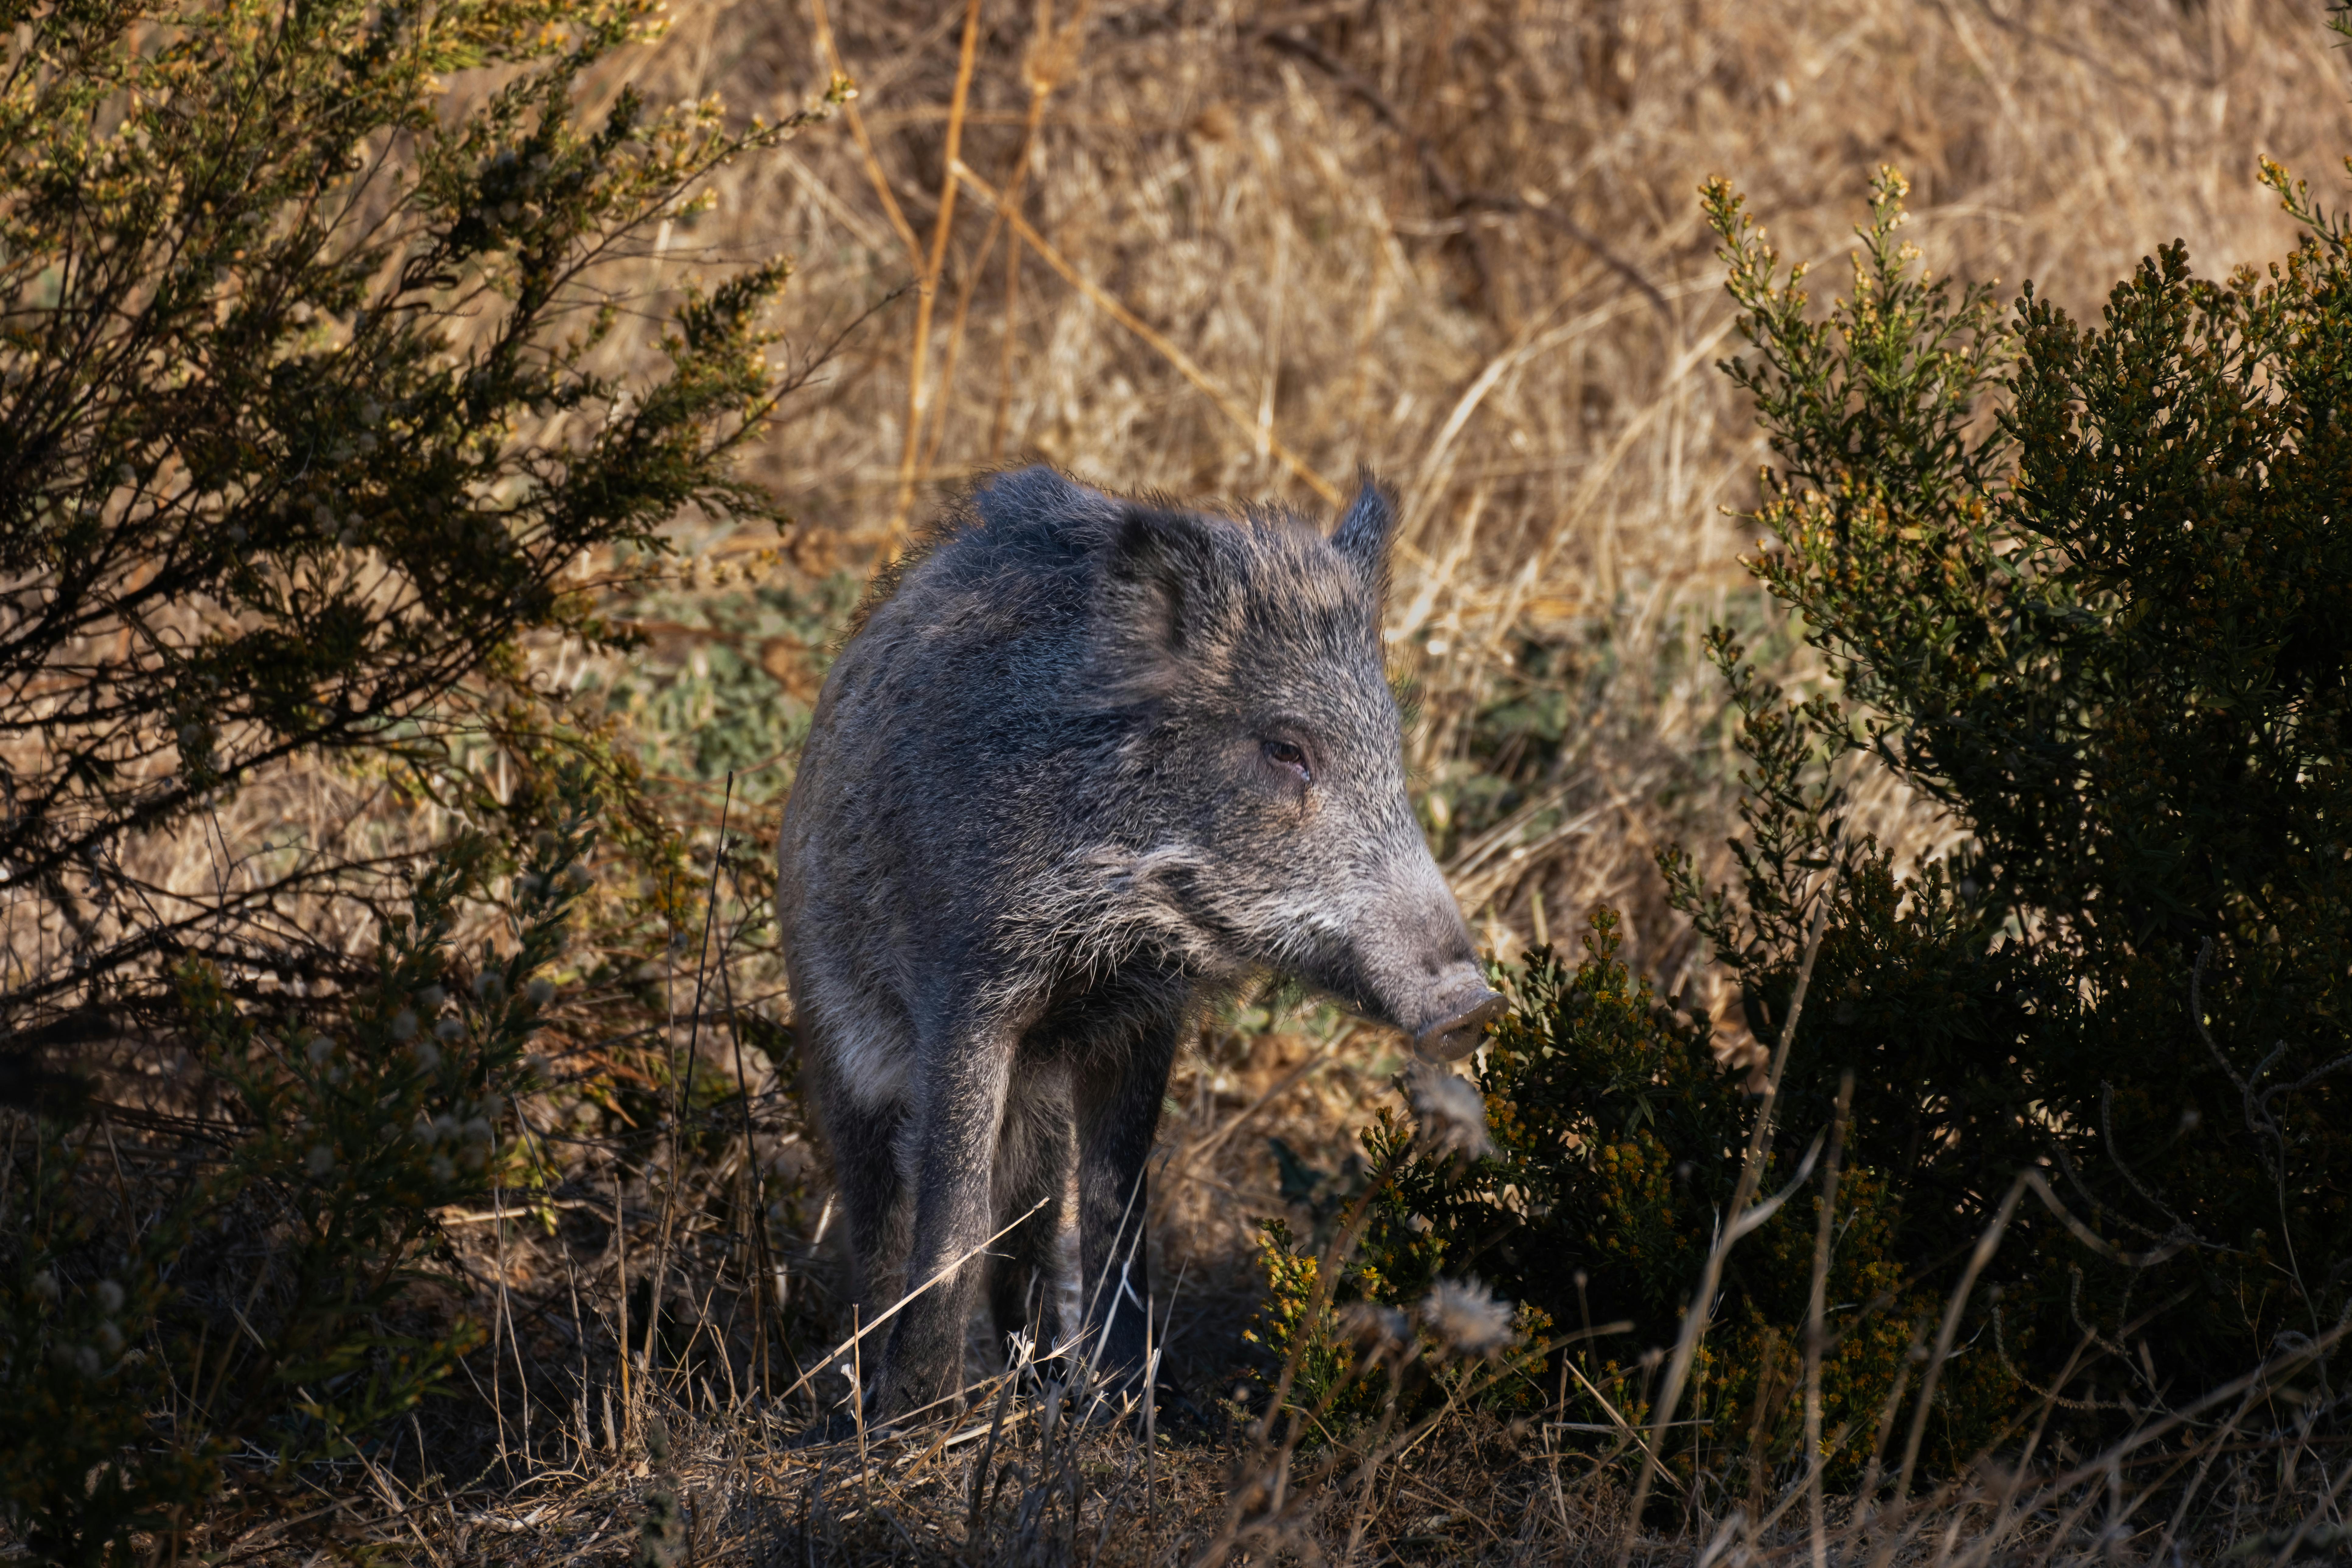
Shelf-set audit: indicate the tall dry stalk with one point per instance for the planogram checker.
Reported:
(1740, 1217)
(1817, 1322)
(926, 284)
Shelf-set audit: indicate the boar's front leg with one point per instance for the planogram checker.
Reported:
(964, 1067)
(1119, 1100)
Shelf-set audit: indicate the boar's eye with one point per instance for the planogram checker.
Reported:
(1288, 754)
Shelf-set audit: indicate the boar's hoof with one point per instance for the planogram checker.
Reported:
(1459, 1035)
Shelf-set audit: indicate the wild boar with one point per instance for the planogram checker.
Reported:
(1087, 765)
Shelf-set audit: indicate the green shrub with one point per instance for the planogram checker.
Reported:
(1616, 1145)
(305, 439)
(2084, 586)
(303, 434)
(253, 1307)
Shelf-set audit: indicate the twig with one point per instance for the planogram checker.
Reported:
(874, 173)
(621, 1268)
(945, 1270)
(514, 1344)
(1449, 189)
(1742, 1219)
(928, 285)
(1815, 1327)
(762, 1258)
(1243, 418)
(988, 1454)
(702, 957)
(2293, 1542)
(1953, 1308)
(858, 1402)
(1053, 54)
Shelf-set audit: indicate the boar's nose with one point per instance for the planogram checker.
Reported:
(1461, 1022)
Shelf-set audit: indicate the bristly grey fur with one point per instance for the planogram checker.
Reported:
(1087, 766)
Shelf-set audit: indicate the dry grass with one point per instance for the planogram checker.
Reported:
(685, 1458)
(1232, 252)
(1457, 242)
(1242, 249)
(1258, 245)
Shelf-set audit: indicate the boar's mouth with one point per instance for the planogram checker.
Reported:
(1446, 1013)
(1458, 1033)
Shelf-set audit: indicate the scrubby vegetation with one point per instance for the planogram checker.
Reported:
(414, 597)
(303, 450)
(2080, 585)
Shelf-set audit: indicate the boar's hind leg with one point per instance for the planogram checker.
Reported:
(1118, 1101)
(950, 1155)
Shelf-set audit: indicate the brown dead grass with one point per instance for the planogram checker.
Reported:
(1234, 251)
(1257, 245)
(1260, 244)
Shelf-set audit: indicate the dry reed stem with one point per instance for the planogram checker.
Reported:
(927, 286)
(1739, 1218)
(1052, 55)
(857, 123)
(946, 1271)
(621, 1296)
(1160, 342)
(1816, 1323)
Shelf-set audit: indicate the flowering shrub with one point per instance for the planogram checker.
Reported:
(303, 429)
(2084, 590)
(2083, 587)
(305, 441)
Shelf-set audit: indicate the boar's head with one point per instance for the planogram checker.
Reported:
(1260, 755)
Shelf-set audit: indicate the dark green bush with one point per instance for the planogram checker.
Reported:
(252, 1304)
(306, 438)
(2088, 587)
(303, 431)
(1617, 1138)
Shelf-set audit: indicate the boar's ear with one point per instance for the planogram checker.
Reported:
(1365, 530)
(1158, 577)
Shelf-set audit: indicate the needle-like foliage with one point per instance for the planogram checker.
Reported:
(2087, 585)
(303, 424)
(307, 425)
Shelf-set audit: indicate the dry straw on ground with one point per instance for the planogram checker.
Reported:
(1233, 251)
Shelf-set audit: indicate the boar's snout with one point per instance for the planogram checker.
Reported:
(1424, 974)
(1461, 1013)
